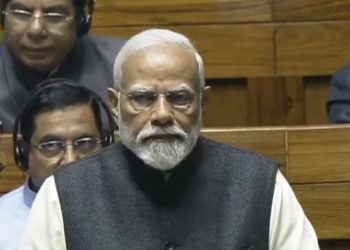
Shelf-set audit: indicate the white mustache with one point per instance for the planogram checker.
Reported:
(156, 131)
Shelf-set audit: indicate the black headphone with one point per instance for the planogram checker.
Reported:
(21, 147)
(83, 16)
(83, 19)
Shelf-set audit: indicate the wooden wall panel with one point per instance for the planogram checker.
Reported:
(227, 50)
(10, 176)
(160, 12)
(275, 101)
(306, 10)
(320, 201)
(334, 244)
(316, 95)
(227, 103)
(306, 49)
(320, 155)
(270, 142)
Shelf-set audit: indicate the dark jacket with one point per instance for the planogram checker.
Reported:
(90, 64)
(219, 197)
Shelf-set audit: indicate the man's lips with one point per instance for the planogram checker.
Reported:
(162, 137)
(42, 51)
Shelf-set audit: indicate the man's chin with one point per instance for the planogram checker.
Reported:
(158, 164)
(42, 65)
(161, 155)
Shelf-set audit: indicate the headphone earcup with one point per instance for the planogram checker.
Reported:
(2, 15)
(83, 19)
(21, 154)
(107, 137)
(108, 140)
(81, 24)
(2, 19)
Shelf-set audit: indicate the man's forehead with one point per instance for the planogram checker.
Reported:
(42, 3)
(70, 110)
(168, 64)
(161, 51)
(67, 121)
(146, 87)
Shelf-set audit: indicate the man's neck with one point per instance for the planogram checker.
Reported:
(32, 186)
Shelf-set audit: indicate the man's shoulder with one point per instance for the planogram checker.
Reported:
(340, 85)
(342, 74)
(12, 218)
(104, 42)
(14, 194)
(11, 199)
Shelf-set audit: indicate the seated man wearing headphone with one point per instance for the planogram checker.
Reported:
(46, 39)
(60, 123)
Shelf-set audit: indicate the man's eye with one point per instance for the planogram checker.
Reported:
(180, 98)
(143, 98)
(18, 13)
(53, 17)
(86, 145)
(51, 146)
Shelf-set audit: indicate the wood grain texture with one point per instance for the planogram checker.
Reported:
(227, 103)
(159, 12)
(316, 95)
(319, 155)
(334, 244)
(228, 50)
(269, 142)
(306, 49)
(11, 176)
(275, 101)
(306, 10)
(328, 208)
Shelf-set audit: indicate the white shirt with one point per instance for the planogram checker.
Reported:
(14, 210)
(289, 227)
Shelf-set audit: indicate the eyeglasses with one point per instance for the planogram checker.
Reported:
(143, 100)
(81, 147)
(51, 19)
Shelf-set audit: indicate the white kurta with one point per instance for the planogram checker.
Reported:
(14, 210)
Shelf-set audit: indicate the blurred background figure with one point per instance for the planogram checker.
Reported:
(48, 39)
(338, 105)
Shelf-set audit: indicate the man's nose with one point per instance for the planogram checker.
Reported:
(162, 112)
(37, 28)
(69, 155)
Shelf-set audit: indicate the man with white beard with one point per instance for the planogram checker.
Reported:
(163, 186)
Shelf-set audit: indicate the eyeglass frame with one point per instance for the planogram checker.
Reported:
(130, 94)
(63, 147)
(29, 15)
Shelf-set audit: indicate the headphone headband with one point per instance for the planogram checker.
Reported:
(21, 148)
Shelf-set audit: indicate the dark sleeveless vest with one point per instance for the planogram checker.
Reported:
(219, 197)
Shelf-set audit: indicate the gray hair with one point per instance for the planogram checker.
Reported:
(150, 38)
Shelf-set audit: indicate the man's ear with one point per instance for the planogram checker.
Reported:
(113, 101)
(205, 96)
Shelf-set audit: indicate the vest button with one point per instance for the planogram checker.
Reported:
(170, 246)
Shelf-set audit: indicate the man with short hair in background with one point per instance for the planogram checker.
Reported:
(60, 124)
(46, 39)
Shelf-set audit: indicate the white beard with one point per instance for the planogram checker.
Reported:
(157, 154)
